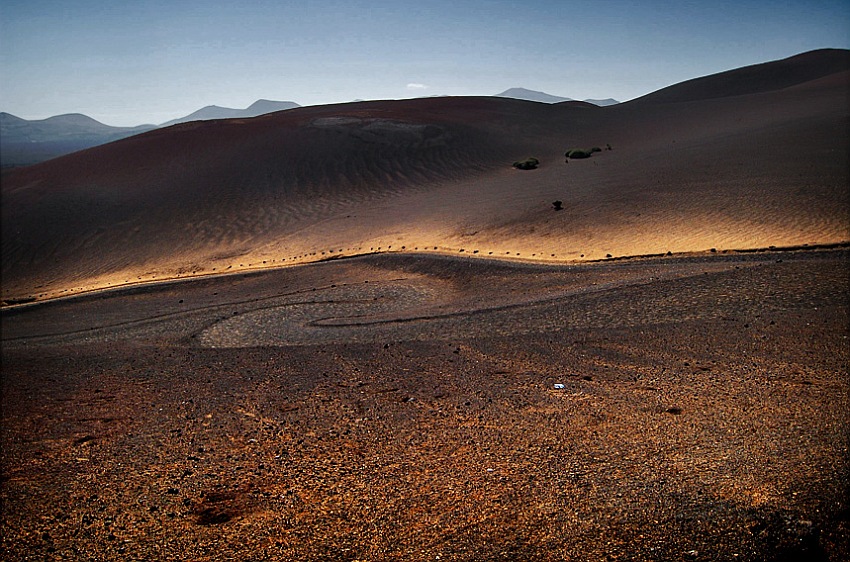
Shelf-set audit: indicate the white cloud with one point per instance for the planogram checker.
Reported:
(415, 86)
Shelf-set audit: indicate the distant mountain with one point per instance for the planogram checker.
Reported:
(602, 103)
(71, 126)
(259, 107)
(24, 142)
(543, 97)
(531, 95)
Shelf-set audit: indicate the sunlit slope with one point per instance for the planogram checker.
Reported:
(757, 169)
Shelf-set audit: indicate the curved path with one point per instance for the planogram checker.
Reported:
(701, 406)
(399, 297)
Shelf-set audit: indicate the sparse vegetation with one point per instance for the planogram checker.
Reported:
(21, 300)
(577, 153)
(527, 164)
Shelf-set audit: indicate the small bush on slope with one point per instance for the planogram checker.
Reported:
(527, 164)
(578, 153)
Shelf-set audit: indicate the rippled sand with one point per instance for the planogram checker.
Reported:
(434, 175)
(335, 333)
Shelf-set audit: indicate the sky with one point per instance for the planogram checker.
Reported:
(150, 61)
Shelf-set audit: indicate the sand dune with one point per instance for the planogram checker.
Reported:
(479, 388)
(692, 168)
(758, 78)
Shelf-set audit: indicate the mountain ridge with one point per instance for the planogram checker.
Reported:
(17, 129)
(210, 112)
(543, 97)
(30, 141)
(27, 142)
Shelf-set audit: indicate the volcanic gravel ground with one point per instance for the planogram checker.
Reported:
(403, 407)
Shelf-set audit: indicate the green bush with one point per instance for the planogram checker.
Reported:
(527, 164)
(595, 149)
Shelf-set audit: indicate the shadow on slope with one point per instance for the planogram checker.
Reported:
(311, 183)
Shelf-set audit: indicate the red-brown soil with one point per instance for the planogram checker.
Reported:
(403, 407)
(174, 392)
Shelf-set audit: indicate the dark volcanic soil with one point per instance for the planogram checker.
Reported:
(403, 407)
(745, 159)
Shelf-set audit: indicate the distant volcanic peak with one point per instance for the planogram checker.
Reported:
(9, 118)
(543, 97)
(210, 112)
(64, 119)
(757, 78)
(531, 95)
(73, 118)
(29, 142)
(263, 104)
(602, 103)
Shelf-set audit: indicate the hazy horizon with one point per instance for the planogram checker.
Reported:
(153, 61)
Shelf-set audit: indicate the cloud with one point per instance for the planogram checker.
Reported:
(415, 86)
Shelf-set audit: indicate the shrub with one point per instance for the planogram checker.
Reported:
(577, 153)
(558, 205)
(527, 164)
(595, 149)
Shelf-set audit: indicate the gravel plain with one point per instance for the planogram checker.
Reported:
(404, 408)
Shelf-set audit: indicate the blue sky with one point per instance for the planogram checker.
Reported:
(149, 61)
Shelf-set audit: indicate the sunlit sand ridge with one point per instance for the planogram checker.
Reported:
(484, 382)
(692, 168)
